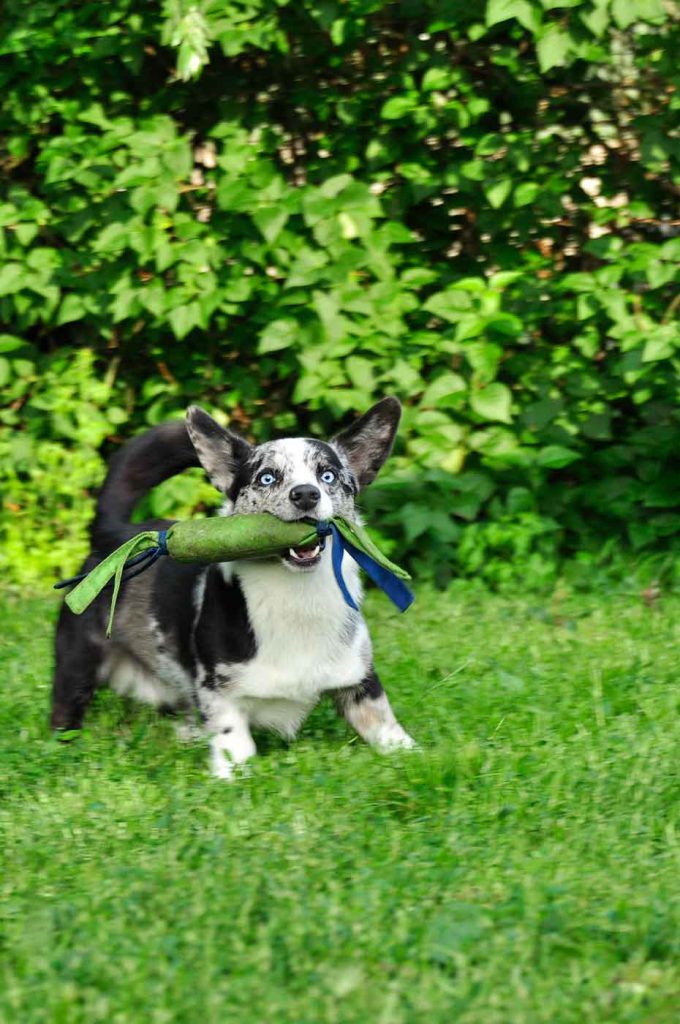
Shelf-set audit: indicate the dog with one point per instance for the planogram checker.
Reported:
(250, 643)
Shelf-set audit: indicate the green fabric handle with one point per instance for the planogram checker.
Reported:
(222, 539)
(111, 568)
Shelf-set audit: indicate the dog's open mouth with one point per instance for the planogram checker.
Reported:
(305, 557)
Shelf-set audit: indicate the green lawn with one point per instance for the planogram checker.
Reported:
(525, 867)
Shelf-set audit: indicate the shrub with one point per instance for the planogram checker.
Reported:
(284, 211)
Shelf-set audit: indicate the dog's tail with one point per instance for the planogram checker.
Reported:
(143, 463)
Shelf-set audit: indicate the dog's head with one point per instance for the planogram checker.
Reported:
(297, 477)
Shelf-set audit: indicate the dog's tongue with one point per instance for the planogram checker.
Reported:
(308, 552)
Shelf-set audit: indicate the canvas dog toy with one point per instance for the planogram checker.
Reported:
(229, 538)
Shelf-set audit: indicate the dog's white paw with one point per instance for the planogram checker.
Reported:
(393, 738)
(221, 767)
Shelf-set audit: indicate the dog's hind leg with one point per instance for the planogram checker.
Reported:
(78, 655)
(368, 710)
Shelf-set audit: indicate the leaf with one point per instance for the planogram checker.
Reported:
(72, 308)
(26, 232)
(348, 226)
(443, 387)
(333, 186)
(270, 221)
(492, 403)
(450, 305)
(10, 343)
(183, 319)
(521, 10)
(437, 79)
(554, 456)
(526, 193)
(552, 47)
(626, 12)
(398, 106)
(596, 19)
(12, 278)
(278, 334)
(360, 372)
(658, 347)
(498, 192)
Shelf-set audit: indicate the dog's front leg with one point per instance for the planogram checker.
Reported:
(228, 730)
(368, 710)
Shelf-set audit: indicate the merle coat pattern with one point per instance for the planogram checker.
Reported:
(250, 643)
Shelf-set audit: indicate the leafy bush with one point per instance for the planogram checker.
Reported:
(284, 211)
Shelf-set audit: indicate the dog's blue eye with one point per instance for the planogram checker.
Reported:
(266, 479)
(328, 476)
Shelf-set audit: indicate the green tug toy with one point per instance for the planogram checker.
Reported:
(236, 537)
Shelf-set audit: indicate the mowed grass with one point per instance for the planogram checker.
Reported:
(524, 867)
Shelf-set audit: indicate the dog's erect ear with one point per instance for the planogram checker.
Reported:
(368, 442)
(219, 451)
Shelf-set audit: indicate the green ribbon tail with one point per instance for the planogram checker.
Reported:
(360, 538)
(82, 596)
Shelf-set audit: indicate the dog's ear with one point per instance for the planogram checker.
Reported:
(219, 451)
(368, 442)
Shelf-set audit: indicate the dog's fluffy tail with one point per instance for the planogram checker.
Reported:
(143, 463)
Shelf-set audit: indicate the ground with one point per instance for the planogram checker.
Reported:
(524, 867)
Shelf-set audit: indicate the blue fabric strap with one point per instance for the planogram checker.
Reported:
(396, 589)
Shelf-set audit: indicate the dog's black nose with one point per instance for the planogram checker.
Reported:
(305, 496)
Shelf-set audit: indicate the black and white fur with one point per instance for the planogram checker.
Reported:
(250, 643)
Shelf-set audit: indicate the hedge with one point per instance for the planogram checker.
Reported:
(285, 210)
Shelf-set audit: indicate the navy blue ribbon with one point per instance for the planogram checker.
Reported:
(396, 589)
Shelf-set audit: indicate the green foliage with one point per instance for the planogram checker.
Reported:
(285, 211)
(523, 867)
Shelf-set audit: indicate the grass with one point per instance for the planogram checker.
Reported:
(524, 867)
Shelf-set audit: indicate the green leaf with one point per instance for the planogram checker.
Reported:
(278, 334)
(72, 308)
(398, 106)
(498, 192)
(12, 278)
(492, 403)
(521, 10)
(270, 221)
(450, 305)
(26, 232)
(443, 388)
(183, 319)
(554, 456)
(552, 47)
(526, 193)
(348, 226)
(437, 79)
(596, 18)
(10, 343)
(626, 12)
(659, 345)
(360, 372)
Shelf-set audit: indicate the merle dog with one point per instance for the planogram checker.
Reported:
(249, 643)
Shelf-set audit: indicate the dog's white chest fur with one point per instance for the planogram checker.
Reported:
(308, 641)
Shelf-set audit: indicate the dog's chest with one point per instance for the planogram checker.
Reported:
(307, 639)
